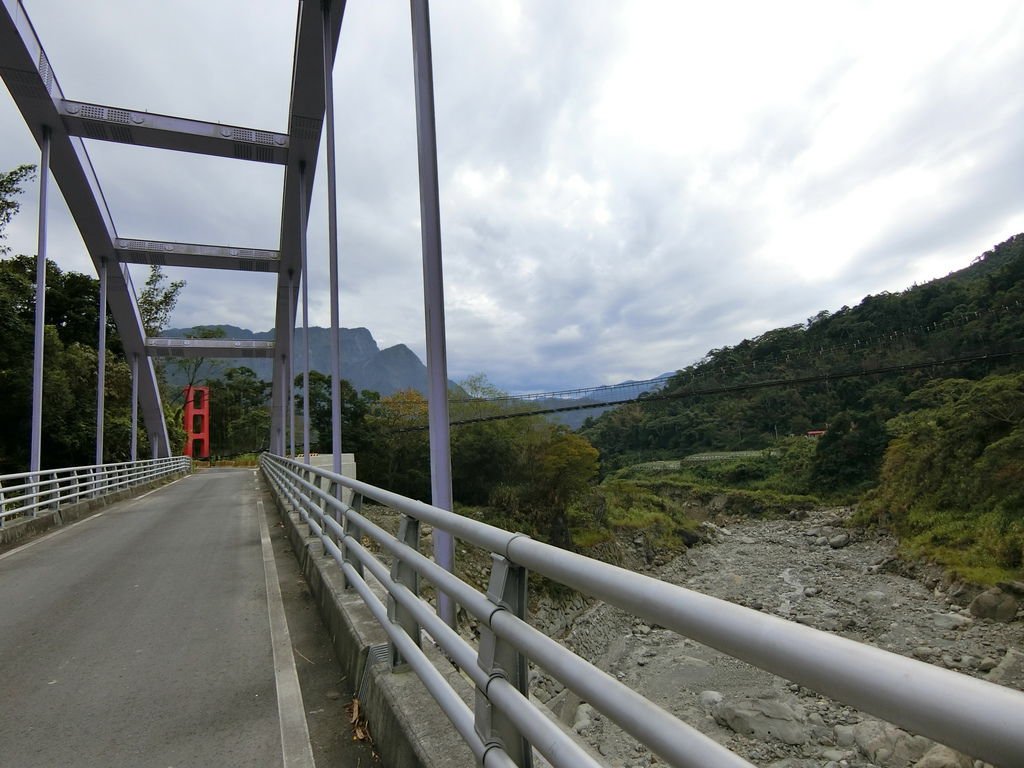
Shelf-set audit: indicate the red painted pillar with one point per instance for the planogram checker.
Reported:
(197, 422)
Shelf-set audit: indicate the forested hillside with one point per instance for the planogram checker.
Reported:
(732, 399)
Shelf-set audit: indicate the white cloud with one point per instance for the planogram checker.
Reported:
(624, 186)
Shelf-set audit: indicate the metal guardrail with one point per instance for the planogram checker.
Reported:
(979, 718)
(27, 494)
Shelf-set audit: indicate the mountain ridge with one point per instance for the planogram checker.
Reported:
(363, 363)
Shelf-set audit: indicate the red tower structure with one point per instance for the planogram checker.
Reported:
(197, 422)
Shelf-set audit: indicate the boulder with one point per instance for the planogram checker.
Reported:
(887, 745)
(709, 700)
(950, 620)
(1010, 668)
(941, 756)
(994, 604)
(764, 718)
(839, 540)
(1015, 587)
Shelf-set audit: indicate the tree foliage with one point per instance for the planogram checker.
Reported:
(10, 189)
(157, 301)
(239, 413)
(952, 483)
(70, 357)
(69, 370)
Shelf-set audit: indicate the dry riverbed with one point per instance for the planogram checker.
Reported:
(811, 570)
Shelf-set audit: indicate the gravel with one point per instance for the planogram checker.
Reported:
(817, 571)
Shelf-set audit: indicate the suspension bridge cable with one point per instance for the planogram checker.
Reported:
(742, 387)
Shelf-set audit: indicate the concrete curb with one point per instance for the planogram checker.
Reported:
(408, 728)
(22, 529)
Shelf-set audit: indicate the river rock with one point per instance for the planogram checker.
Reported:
(874, 597)
(1011, 666)
(839, 540)
(1016, 587)
(709, 700)
(994, 604)
(950, 620)
(888, 745)
(584, 718)
(941, 756)
(764, 718)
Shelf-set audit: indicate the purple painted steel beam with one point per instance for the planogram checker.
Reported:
(433, 293)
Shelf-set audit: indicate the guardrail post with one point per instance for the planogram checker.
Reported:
(76, 484)
(33, 498)
(350, 528)
(403, 573)
(334, 490)
(507, 589)
(3, 506)
(54, 502)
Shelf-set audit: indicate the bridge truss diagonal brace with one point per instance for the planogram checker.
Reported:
(127, 126)
(26, 71)
(160, 253)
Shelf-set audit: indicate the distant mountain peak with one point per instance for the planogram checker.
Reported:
(363, 363)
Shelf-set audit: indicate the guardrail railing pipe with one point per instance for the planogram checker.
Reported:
(973, 716)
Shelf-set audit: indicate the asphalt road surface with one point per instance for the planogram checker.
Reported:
(153, 635)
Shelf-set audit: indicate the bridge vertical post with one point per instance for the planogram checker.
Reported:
(508, 590)
(282, 436)
(403, 573)
(40, 319)
(332, 239)
(291, 363)
(101, 361)
(433, 294)
(135, 408)
(305, 312)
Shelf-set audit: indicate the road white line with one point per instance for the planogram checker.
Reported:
(295, 747)
(147, 493)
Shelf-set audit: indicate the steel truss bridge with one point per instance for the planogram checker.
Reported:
(59, 124)
(213, 516)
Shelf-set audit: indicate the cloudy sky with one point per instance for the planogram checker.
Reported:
(625, 184)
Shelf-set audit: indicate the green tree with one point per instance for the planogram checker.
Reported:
(158, 300)
(355, 407)
(239, 412)
(850, 452)
(10, 189)
(561, 467)
(398, 455)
